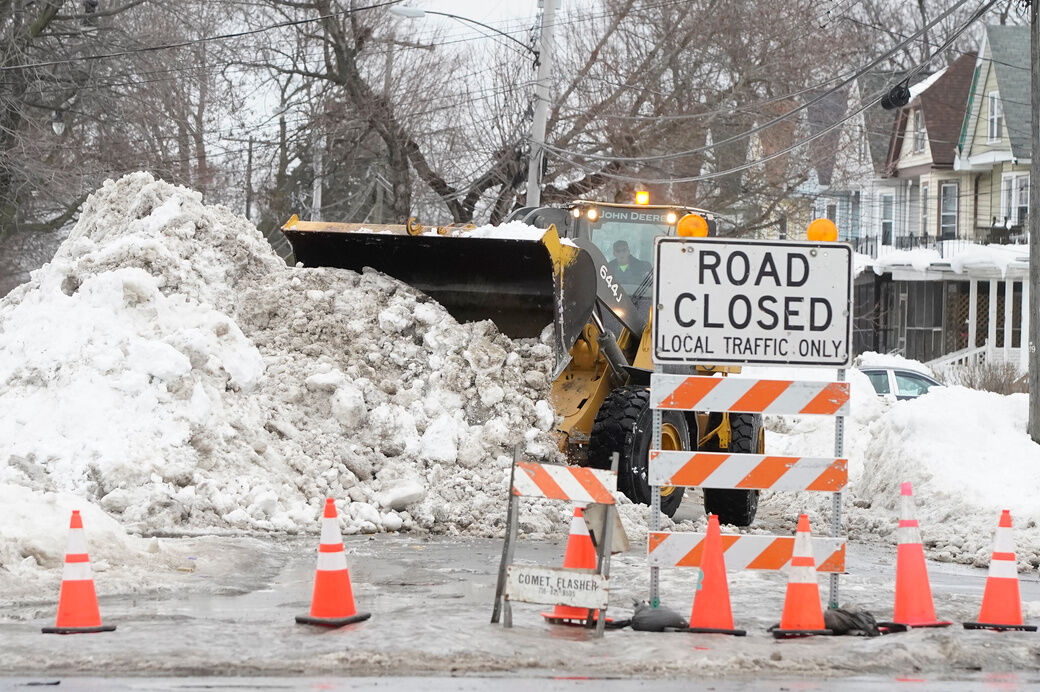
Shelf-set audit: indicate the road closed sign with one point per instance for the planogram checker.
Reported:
(721, 301)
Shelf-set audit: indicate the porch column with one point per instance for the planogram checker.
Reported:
(991, 335)
(1009, 301)
(973, 312)
(1023, 353)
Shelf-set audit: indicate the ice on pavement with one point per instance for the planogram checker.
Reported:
(167, 373)
(170, 372)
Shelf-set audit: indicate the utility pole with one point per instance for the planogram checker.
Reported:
(1034, 224)
(249, 181)
(544, 51)
(319, 151)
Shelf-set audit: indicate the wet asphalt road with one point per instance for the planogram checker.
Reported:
(431, 602)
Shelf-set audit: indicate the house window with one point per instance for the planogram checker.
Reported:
(919, 135)
(1015, 198)
(948, 211)
(888, 217)
(996, 117)
(924, 209)
(832, 212)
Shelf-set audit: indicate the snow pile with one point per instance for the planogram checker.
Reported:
(514, 230)
(169, 369)
(998, 257)
(919, 258)
(871, 359)
(965, 451)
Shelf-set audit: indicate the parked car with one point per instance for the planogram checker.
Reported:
(905, 384)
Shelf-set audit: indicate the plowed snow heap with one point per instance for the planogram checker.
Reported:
(168, 367)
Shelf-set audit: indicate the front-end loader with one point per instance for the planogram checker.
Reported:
(558, 273)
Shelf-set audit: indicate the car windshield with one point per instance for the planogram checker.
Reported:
(909, 384)
(626, 239)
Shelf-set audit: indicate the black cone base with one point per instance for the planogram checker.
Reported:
(999, 628)
(78, 630)
(332, 622)
(788, 634)
(713, 630)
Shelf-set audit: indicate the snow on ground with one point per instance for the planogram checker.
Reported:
(965, 451)
(167, 370)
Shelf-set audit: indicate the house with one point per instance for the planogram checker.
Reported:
(922, 198)
(993, 149)
(955, 188)
(849, 163)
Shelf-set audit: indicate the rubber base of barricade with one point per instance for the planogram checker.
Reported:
(791, 634)
(999, 628)
(78, 630)
(331, 622)
(893, 627)
(713, 630)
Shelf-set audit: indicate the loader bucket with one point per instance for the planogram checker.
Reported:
(521, 284)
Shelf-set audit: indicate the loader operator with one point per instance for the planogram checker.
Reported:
(625, 268)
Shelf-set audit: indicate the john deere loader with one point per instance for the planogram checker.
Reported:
(586, 272)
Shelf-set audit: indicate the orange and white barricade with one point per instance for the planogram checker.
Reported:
(579, 589)
(743, 471)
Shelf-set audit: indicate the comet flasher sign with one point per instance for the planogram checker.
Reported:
(722, 301)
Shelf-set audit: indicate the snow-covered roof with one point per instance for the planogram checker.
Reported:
(979, 261)
(917, 89)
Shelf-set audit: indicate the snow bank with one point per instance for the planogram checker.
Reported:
(965, 451)
(168, 370)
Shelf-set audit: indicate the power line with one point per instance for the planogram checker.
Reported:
(564, 154)
(770, 123)
(192, 42)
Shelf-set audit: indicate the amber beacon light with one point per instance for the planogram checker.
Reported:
(822, 230)
(642, 197)
(692, 226)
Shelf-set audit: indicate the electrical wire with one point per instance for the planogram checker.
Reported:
(566, 155)
(773, 121)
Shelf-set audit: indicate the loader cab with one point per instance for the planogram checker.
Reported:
(611, 227)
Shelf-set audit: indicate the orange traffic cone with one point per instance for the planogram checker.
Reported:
(1001, 604)
(333, 602)
(77, 603)
(802, 613)
(914, 606)
(580, 554)
(711, 611)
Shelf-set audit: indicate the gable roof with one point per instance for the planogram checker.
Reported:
(879, 121)
(821, 115)
(1009, 57)
(942, 101)
(943, 105)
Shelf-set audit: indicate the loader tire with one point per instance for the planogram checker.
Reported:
(738, 507)
(624, 425)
